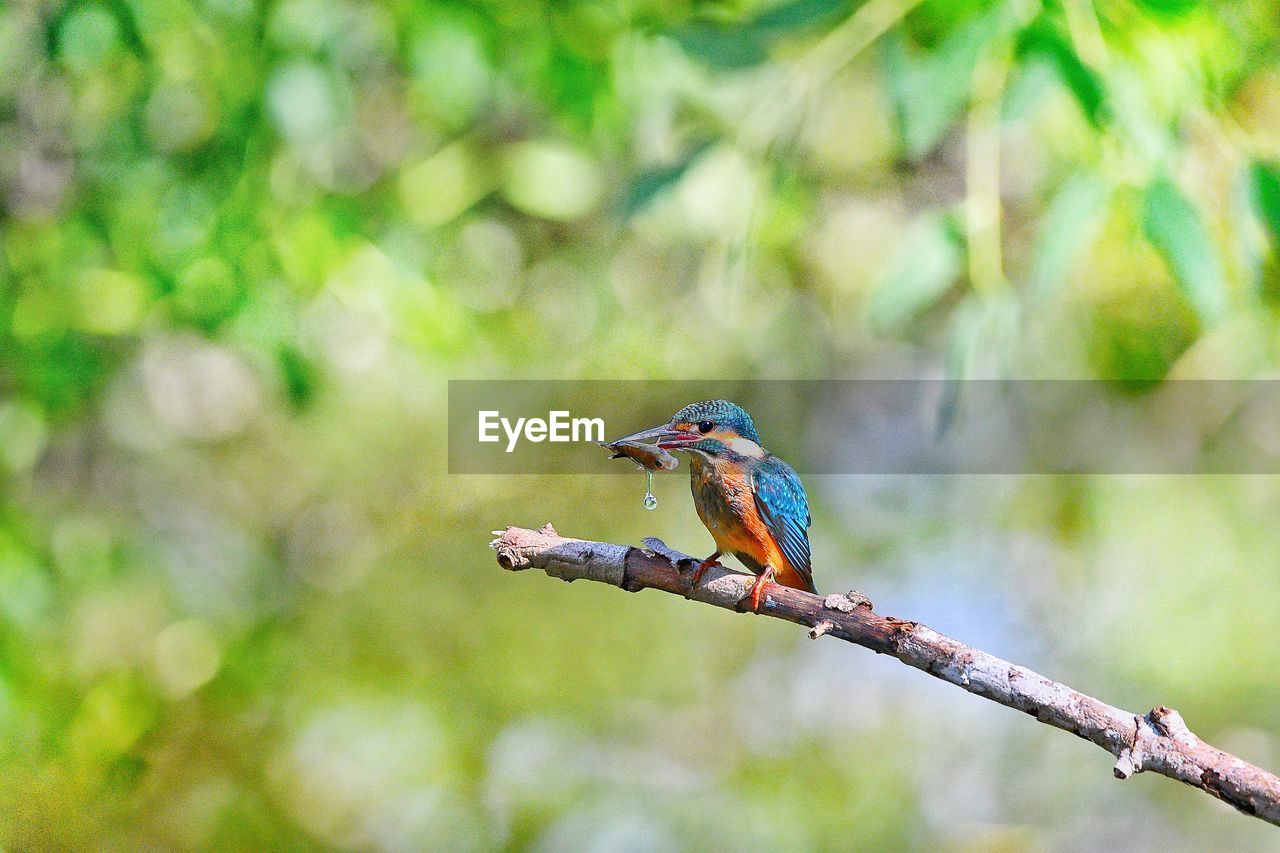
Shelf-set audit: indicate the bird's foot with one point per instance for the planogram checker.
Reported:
(755, 596)
(713, 560)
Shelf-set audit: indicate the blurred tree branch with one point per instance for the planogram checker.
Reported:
(1158, 741)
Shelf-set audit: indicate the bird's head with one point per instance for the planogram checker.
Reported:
(713, 427)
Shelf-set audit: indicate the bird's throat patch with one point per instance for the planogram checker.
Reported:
(745, 447)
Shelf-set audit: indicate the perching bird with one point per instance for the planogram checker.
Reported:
(751, 501)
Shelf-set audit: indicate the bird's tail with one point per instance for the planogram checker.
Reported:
(789, 576)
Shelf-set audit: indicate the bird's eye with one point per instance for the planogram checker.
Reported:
(704, 427)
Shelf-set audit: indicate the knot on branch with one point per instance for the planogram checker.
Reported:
(1152, 734)
(820, 629)
(655, 546)
(846, 602)
(516, 543)
(559, 557)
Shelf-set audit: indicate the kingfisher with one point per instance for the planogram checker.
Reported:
(751, 502)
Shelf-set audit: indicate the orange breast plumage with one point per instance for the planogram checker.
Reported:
(725, 503)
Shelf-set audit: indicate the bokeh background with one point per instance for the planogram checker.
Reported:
(244, 245)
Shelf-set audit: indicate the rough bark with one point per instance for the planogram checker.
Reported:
(1158, 741)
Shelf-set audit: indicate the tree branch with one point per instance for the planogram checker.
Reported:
(1158, 741)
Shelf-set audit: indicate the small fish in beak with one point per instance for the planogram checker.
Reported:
(650, 457)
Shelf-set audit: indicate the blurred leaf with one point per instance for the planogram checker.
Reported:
(575, 86)
(650, 183)
(748, 44)
(1265, 184)
(1069, 226)
(1137, 115)
(800, 14)
(1170, 8)
(929, 90)
(1043, 38)
(984, 336)
(447, 57)
(921, 271)
(446, 184)
(87, 36)
(23, 434)
(550, 180)
(728, 48)
(1136, 331)
(981, 345)
(1173, 226)
(1264, 198)
(300, 376)
(63, 375)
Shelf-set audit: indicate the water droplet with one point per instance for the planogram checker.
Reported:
(650, 502)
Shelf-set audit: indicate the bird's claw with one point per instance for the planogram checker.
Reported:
(755, 596)
(702, 570)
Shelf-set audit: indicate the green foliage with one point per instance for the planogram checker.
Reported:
(1136, 336)
(1265, 178)
(1071, 220)
(930, 89)
(1175, 229)
(1171, 8)
(746, 44)
(1045, 38)
(923, 268)
(650, 183)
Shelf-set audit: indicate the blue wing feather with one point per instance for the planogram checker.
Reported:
(784, 509)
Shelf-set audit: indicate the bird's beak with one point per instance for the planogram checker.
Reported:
(665, 436)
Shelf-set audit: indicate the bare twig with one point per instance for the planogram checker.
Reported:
(1158, 741)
